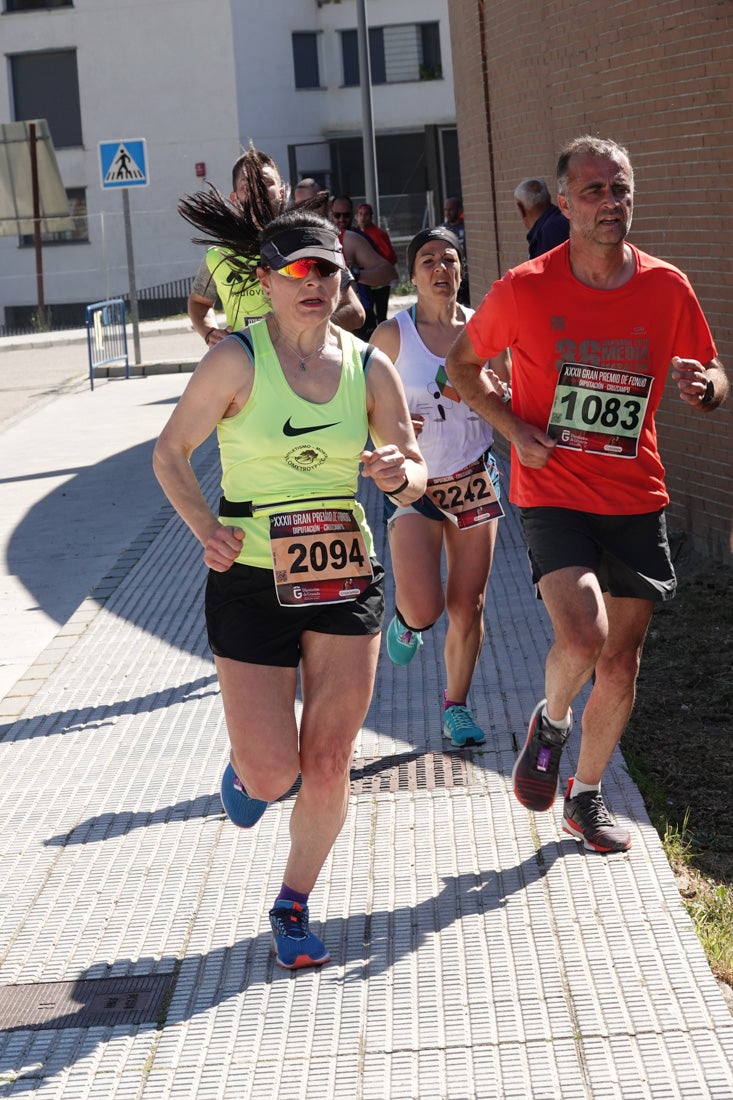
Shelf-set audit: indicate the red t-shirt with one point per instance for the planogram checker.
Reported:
(382, 243)
(548, 318)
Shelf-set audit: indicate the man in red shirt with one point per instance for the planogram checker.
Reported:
(594, 327)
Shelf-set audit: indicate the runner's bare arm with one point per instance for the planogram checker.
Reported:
(396, 458)
(203, 319)
(374, 270)
(220, 385)
(349, 313)
(484, 392)
(386, 337)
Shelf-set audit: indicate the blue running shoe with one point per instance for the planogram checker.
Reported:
(458, 724)
(242, 811)
(296, 946)
(402, 644)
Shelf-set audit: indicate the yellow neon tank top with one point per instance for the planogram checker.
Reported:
(282, 448)
(240, 297)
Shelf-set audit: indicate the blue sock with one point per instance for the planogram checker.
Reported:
(286, 894)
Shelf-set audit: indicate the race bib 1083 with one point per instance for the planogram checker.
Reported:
(599, 410)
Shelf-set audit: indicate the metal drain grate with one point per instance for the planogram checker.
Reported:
(413, 771)
(409, 771)
(86, 1003)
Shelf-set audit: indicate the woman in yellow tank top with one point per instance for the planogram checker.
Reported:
(293, 582)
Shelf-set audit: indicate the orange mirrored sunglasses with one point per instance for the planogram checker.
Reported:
(298, 269)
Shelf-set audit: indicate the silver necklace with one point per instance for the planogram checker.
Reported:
(302, 358)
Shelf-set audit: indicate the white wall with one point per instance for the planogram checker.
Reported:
(407, 106)
(196, 80)
(270, 111)
(276, 114)
(163, 71)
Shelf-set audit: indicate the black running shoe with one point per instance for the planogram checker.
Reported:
(535, 773)
(587, 819)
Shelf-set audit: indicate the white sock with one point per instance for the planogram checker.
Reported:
(563, 724)
(580, 788)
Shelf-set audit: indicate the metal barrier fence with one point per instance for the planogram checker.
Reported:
(106, 335)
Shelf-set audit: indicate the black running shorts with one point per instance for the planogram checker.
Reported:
(629, 554)
(246, 623)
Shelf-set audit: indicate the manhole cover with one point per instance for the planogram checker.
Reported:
(83, 1003)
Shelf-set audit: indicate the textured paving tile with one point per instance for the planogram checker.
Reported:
(475, 953)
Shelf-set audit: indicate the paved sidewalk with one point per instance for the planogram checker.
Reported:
(475, 952)
(36, 369)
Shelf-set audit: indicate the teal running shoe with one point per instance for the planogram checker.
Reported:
(295, 945)
(242, 811)
(458, 724)
(402, 644)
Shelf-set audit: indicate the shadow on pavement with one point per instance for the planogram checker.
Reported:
(68, 541)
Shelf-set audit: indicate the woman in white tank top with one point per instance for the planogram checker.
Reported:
(460, 509)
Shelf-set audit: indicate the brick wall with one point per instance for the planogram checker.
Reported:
(656, 76)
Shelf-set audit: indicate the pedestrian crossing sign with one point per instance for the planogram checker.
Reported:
(123, 163)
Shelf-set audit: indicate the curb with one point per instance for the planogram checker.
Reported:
(79, 335)
(142, 370)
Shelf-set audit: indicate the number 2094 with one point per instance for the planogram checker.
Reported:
(319, 556)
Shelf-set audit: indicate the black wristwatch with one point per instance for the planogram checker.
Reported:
(709, 396)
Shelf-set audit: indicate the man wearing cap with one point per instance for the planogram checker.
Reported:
(295, 593)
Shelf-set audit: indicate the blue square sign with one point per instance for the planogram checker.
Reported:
(123, 163)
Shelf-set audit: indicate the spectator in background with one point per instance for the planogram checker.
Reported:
(380, 239)
(545, 223)
(454, 221)
(305, 189)
(368, 267)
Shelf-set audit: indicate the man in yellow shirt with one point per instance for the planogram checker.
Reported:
(241, 298)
